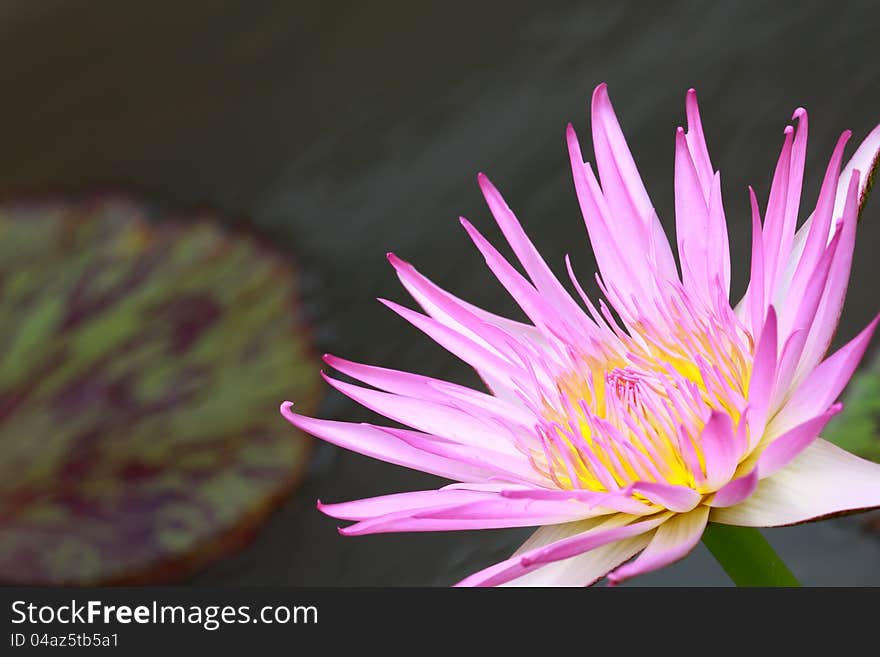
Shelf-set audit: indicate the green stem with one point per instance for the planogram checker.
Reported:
(746, 556)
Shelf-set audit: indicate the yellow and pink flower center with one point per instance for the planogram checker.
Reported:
(637, 413)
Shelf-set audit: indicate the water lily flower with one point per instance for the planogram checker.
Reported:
(621, 427)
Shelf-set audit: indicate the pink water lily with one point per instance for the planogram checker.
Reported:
(622, 428)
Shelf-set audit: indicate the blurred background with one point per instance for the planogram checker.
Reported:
(322, 135)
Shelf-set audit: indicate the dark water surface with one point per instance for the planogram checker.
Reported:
(346, 131)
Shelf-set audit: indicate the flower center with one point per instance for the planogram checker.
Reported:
(639, 414)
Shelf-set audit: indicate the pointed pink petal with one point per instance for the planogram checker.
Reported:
(448, 310)
(673, 540)
(786, 447)
(491, 512)
(427, 294)
(774, 216)
(536, 307)
(864, 160)
(614, 501)
(719, 450)
(691, 222)
(831, 304)
(757, 303)
(820, 228)
(824, 384)
(696, 142)
(543, 278)
(424, 387)
(434, 418)
(799, 329)
(470, 352)
(718, 245)
(763, 377)
(737, 490)
(374, 507)
(670, 496)
(597, 218)
(621, 182)
(374, 442)
(591, 536)
(822, 480)
(509, 467)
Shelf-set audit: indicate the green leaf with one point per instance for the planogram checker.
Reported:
(142, 367)
(857, 427)
(746, 556)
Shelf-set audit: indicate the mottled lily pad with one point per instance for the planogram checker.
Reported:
(857, 428)
(141, 366)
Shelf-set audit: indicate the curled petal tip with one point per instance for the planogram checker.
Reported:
(395, 261)
(691, 92)
(789, 129)
(286, 406)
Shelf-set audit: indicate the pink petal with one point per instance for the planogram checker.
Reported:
(719, 450)
(691, 222)
(615, 501)
(438, 390)
(786, 447)
(429, 293)
(484, 511)
(863, 160)
(373, 441)
(696, 142)
(774, 216)
(763, 377)
(717, 240)
(591, 536)
(822, 480)
(757, 304)
(375, 507)
(536, 307)
(820, 228)
(784, 203)
(621, 182)
(478, 357)
(597, 217)
(673, 540)
(635, 224)
(670, 496)
(831, 304)
(434, 418)
(585, 569)
(824, 384)
(737, 490)
(509, 467)
(543, 278)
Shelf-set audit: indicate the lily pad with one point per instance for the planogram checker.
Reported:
(141, 364)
